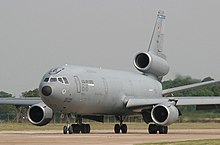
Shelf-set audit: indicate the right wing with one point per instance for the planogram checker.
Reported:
(24, 101)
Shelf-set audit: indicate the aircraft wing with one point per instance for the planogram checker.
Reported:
(181, 88)
(137, 105)
(24, 101)
(181, 101)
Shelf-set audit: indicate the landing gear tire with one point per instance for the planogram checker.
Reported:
(70, 129)
(124, 128)
(163, 129)
(76, 128)
(65, 129)
(87, 126)
(83, 128)
(152, 129)
(117, 128)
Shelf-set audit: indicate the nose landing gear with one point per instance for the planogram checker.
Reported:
(120, 127)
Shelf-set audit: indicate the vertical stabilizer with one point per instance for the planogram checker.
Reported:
(156, 43)
(154, 61)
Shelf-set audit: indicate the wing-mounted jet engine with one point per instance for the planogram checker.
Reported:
(40, 114)
(165, 114)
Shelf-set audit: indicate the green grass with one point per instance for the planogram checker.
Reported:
(105, 126)
(193, 142)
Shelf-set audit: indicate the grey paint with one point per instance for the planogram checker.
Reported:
(109, 94)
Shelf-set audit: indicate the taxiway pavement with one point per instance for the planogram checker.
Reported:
(100, 137)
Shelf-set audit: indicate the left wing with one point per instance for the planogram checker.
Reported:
(137, 105)
(181, 101)
(24, 101)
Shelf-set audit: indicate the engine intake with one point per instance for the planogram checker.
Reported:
(40, 114)
(150, 63)
(164, 114)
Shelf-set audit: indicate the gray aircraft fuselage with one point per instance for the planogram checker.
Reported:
(96, 91)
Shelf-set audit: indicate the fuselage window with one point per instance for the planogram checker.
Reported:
(46, 79)
(53, 79)
(65, 80)
(60, 80)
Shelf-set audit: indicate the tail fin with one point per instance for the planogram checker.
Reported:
(156, 43)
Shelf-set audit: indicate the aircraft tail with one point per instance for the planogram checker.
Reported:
(154, 61)
(156, 43)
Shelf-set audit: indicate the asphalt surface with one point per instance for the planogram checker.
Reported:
(100, 137)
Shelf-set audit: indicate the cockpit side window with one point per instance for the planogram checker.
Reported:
(60, 80)
(53, 79)
(46, 80)
(65, 80)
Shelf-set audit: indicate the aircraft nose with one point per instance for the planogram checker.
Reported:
(46, 90)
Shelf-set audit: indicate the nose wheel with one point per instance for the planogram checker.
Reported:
(123, 128)
(120, 127)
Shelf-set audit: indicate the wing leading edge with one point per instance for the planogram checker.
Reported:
(137, 105)
(143, 103)
(25, 101)
(181, 88)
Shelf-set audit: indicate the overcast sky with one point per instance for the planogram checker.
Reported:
(36, 35)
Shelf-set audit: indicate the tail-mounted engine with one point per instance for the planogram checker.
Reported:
(150, 63)
(40, 114)
(164, 114)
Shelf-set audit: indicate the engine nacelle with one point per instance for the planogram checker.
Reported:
(150, 63)
(40, 114)
(164, 114)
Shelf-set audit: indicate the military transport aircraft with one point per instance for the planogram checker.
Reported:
(93, 92)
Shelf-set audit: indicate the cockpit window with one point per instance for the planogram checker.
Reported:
(53, 79)
(46, 80)
(60, 80)
(65, 80)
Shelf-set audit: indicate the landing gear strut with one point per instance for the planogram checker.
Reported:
(120, 127)
(76, 128)
(68, 128)
(153, 129)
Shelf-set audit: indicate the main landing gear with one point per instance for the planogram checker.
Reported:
(76, 128)
(153, 129)
(120, 127)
